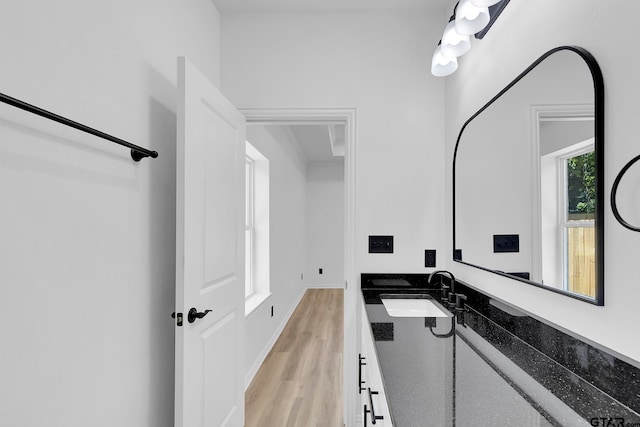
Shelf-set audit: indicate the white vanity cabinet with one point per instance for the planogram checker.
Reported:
(373, 401)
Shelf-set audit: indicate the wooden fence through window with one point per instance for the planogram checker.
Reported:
(581, 259)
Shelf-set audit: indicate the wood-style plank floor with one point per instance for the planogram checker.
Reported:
(300, 382)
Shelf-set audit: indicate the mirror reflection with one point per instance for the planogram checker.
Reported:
(526, 181)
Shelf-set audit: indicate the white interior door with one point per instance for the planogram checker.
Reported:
(209, 255)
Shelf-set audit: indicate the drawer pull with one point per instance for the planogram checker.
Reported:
(360, 382)
(374, 417)
(366, 411)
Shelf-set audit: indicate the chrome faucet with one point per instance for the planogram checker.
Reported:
(446, 295)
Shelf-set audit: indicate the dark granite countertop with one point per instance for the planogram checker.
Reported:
(491, 365)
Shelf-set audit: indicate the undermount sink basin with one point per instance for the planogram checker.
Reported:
(406, 305)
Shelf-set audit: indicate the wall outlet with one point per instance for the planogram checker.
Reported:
(429, 257)
(319, 271)
(380, 244)
(506, 243)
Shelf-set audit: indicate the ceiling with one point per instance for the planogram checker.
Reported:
(327, 5)
(319, 142)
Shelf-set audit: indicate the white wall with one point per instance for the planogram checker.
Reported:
(87, 247)
(379, 64)
(287, 235)
(516, 40)
(325, 224)
(556, 135)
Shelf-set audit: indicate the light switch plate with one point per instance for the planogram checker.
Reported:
(506, 243)
(380, 244)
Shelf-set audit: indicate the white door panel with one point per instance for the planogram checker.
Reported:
(209, 255)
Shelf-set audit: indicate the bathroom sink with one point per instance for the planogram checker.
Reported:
(408, 305)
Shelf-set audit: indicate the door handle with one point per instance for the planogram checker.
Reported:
(193, 314)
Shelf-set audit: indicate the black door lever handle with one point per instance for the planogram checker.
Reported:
(193, 314)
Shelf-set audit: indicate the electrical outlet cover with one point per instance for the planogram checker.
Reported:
(429, 257)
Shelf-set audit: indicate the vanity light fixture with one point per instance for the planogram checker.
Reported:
(470, 17)
(442, 65)
(454, 44)
(484, 3)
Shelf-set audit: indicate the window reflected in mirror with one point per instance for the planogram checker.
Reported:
(568, 217)
(580, 244)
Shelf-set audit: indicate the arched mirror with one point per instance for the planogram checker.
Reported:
(528, 179)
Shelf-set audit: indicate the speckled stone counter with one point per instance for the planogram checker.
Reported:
(490, 365)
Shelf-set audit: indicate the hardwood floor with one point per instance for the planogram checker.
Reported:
(300, 382)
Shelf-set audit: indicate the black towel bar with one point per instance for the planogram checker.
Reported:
(137, 153)
(614, 193)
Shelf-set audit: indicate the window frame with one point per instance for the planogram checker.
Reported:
(249, 227)
(564, 223)
(257, 224)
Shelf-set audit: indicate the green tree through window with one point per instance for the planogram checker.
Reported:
(581, 194)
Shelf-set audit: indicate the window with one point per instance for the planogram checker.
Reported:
(578, 221)
(256, 288)
(249, 230)
(568, 198)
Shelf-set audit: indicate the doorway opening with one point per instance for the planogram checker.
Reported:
(338, 126)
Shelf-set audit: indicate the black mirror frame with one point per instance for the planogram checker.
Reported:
(598, 86)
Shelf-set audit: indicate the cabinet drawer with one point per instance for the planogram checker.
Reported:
(372, 395)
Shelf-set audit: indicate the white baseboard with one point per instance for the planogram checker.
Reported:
(327, 286)
(267, 348)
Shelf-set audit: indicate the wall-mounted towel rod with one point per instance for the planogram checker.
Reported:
(137, 153)
(614, 194)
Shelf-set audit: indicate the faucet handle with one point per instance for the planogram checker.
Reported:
(460, 299)
(445, 293)
(452, 299)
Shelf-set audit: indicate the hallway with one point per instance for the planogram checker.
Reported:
(300, 382)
